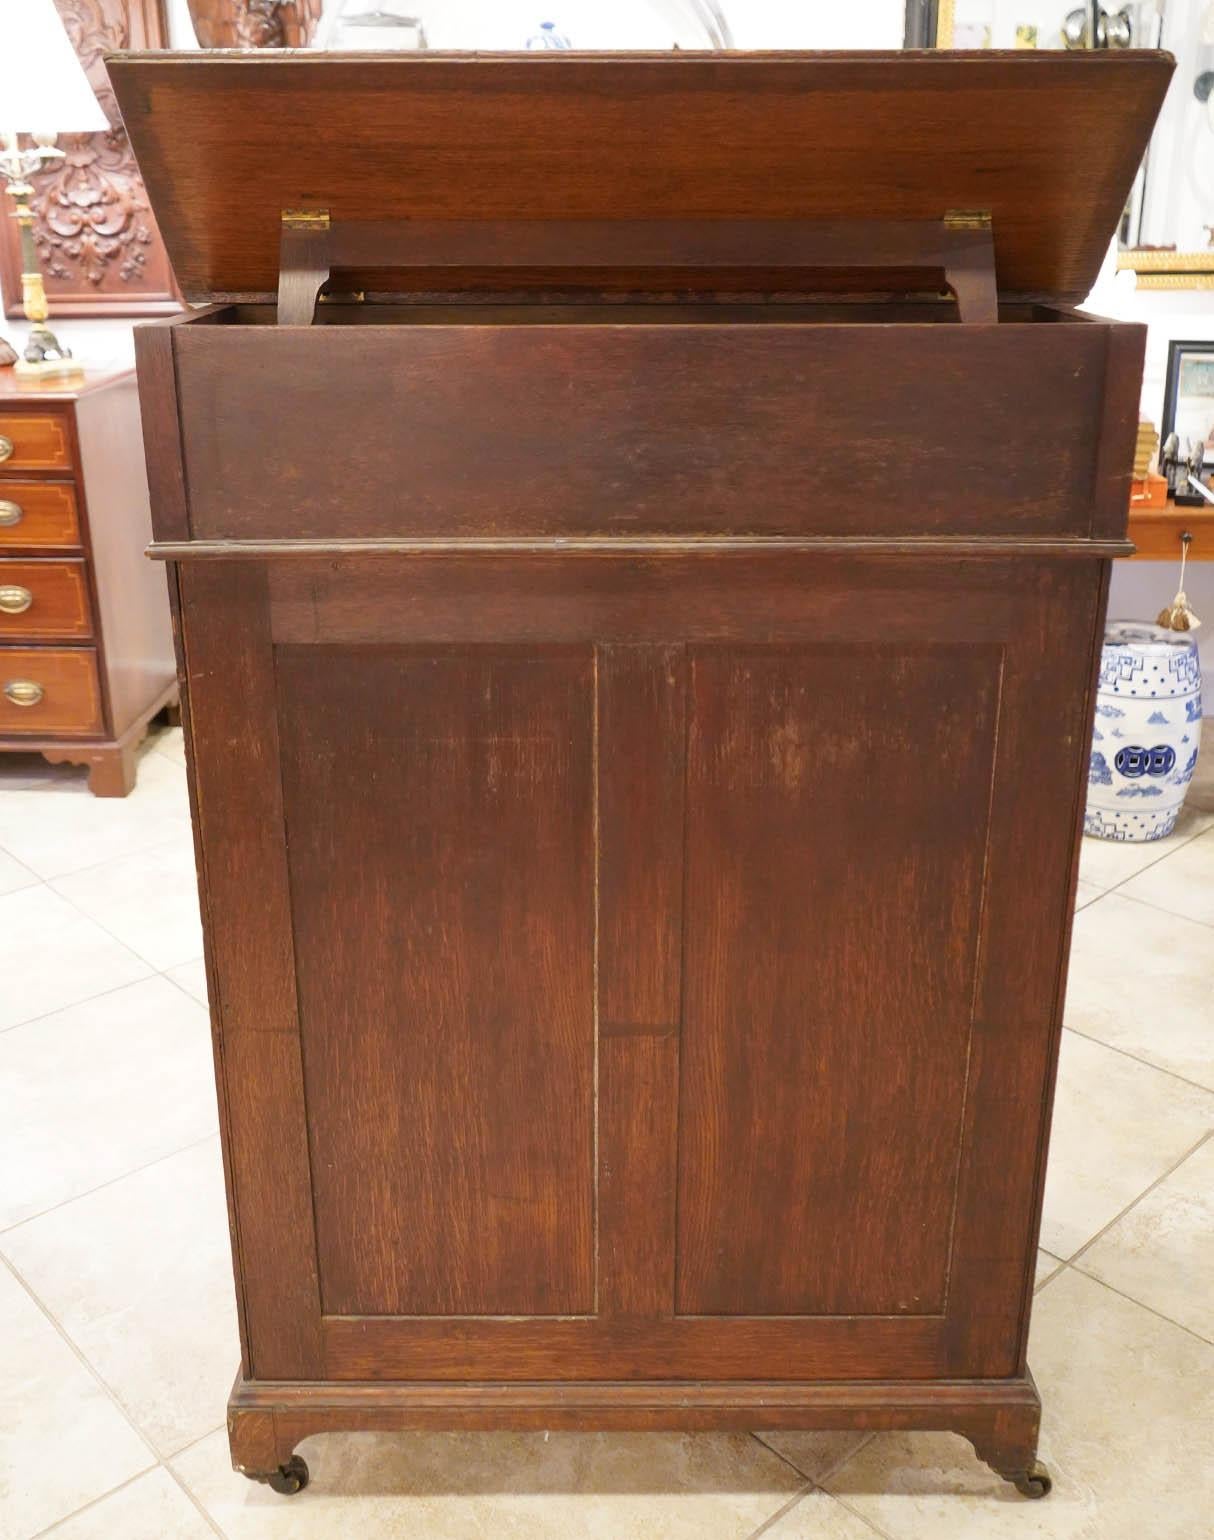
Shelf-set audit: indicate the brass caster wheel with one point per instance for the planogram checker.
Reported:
(289, 1478)
(1034, 1482)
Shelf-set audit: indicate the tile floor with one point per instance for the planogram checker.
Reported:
(117, 1324)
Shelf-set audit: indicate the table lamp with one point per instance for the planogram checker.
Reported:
(43, 92)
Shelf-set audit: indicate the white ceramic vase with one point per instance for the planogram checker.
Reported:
(1147, 731)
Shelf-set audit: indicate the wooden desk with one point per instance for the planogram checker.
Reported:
(638, 860)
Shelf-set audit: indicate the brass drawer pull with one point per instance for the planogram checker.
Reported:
(6, 449)
(10, 513)
(23, 692)
(15, 600)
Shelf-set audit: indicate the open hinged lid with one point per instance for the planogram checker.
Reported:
(1046, 143)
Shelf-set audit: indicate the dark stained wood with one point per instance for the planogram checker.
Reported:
(640, 832)
(55, 594)
(238, 807)
(1048, 142)
(717, 1348)
(612, 597)
(1119, 426)
(78, 483)
(161, 429)
(807, 769)
(712, 429)
(446, 974)
(891, 255)
(618, 712)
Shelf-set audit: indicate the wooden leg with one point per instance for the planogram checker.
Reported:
(172, 713)
(261, 1453)
(1008, 1444)
(113, 774)
(111, 771)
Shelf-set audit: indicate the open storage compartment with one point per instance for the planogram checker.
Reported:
(682, 297)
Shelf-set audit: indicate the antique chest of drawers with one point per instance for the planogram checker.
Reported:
(638, 632)
(86, 654)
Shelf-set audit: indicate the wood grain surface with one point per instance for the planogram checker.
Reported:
(1048, 142)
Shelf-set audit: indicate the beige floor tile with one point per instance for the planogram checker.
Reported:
(52, 956)
(171, 743)
(149, 900)
(814, 1454)
(51, 822)
(1105, 863)
(1143, 981)
(1128, 1403)
(192, 977)
(1118, 1126)
(1047, 1265)
(152, 1507)
(63, 1442)
(504, 1486)
(1162, 1251)
(819, 1516)
(1182, 884)
(139, 1276)
(13, 875)
(1086, 893)
(95, 1091)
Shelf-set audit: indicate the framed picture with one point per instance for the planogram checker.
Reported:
(1188, 396)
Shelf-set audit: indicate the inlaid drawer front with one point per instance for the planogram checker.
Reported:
(43, 599)
(34, 441)
(49, 690)
(38, 513)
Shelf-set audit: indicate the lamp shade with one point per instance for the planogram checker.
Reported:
(43, 87)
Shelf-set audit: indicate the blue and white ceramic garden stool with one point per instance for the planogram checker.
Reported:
(1147, 732)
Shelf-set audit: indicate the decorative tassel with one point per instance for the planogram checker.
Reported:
(1177, 616)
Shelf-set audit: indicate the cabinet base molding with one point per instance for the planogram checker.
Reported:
(268, 1419)
(111, 765)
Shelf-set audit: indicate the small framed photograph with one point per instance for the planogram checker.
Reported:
(1188, 396)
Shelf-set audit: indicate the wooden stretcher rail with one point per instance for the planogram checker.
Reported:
(959, 247)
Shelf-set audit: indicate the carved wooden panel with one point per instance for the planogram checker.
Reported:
(98, 245)
(255, 23)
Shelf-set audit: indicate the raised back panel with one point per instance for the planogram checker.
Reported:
(439, 826)
(838, 800)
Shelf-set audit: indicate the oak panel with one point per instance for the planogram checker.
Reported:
(825, 1043)
(641, 733)
(673, 430)
(439, 816)
(636, 1348)
(228, 666)
(1048, 142)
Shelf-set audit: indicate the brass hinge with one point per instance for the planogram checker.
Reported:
(967, 219)
(305, 219)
